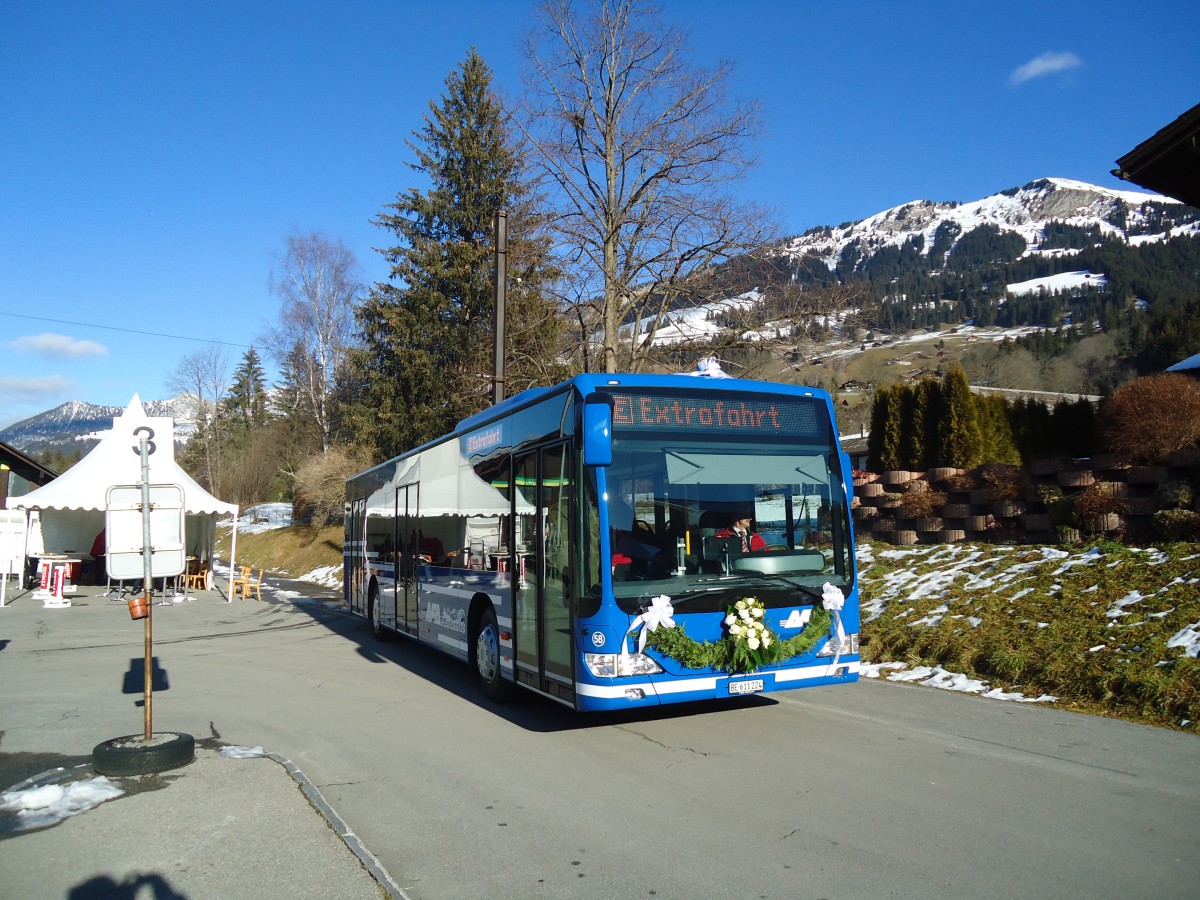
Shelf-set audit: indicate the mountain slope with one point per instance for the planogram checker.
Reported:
(1053, 252)
(1025, 211)
(80, 424)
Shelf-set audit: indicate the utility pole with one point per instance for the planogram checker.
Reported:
(501, 250)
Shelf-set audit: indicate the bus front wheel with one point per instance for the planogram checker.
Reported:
(376, 614)
(487, 657)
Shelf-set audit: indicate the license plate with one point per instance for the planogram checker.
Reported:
(753, 686)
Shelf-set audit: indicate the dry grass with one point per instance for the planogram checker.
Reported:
(289, 552)
(1090, 629)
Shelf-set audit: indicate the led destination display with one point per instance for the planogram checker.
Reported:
(731, 416)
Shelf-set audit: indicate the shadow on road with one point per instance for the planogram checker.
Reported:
(524, 709)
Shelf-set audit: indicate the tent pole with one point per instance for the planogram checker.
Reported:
(232, 556)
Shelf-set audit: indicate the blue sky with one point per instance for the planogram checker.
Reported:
(155, 155)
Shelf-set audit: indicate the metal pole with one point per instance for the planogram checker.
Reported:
(148, 629)
(501, 245)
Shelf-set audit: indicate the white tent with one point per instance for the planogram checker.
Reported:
(66, 515)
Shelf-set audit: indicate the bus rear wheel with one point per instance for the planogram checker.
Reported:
(487, 658)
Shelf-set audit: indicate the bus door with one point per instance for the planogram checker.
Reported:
(356, 557)
(407, 559)
(540, 569)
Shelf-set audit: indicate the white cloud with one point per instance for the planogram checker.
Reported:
(1046, 64)
(57, 346)
(15, 389)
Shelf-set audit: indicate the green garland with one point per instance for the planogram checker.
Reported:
(731, 654)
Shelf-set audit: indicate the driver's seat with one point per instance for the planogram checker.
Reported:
(718, 553)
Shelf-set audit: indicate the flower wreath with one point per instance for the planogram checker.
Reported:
(748, 642)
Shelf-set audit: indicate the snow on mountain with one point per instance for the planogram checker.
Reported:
(695, 323)
(1024, 210)
(79, 422)
(1134, 217)
(1064, 281)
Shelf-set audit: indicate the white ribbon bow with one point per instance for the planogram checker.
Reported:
(833, 600)
(657, 614)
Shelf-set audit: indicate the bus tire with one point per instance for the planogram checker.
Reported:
(487, 657)
(375, 614)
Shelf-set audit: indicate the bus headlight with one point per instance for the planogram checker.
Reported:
(611, 665)
(849, 646)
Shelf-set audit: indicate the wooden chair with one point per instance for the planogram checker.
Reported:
(249, 583)
(239, 586)
(198, 576)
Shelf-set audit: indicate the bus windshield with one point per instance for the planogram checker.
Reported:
(689, 476)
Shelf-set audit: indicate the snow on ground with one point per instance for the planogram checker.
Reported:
(1187, 638)
(1064, 281)
(263, 517)
(50, 797)
(970, 568)
(938, 677)
(694, 323)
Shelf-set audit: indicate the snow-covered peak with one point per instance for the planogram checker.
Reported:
(1025, 210)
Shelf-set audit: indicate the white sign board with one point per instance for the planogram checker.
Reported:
(124, 531)
(12, 541)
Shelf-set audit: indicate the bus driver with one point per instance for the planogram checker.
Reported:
(751, 540)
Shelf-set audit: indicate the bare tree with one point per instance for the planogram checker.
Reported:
(321, 482)
(637, 148)
(203, 378)
(318, 283)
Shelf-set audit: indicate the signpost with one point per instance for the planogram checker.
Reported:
(145, 522)
(144, 525)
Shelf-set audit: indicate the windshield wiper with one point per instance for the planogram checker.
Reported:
(809, 589)
(687, 596)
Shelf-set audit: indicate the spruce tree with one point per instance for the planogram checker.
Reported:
(246, 403)
(425, 352)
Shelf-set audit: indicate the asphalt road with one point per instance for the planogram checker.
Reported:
(872, 790)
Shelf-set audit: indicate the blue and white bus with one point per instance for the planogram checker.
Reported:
(573, 541)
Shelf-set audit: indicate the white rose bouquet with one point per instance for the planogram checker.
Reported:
(752, 639)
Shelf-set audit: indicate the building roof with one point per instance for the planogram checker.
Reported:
(25, 466)
(1169, 161)
(1191, 364)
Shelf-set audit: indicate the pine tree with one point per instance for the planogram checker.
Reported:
(426, 334)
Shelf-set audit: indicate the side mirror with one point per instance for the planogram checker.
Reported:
(597, 430)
